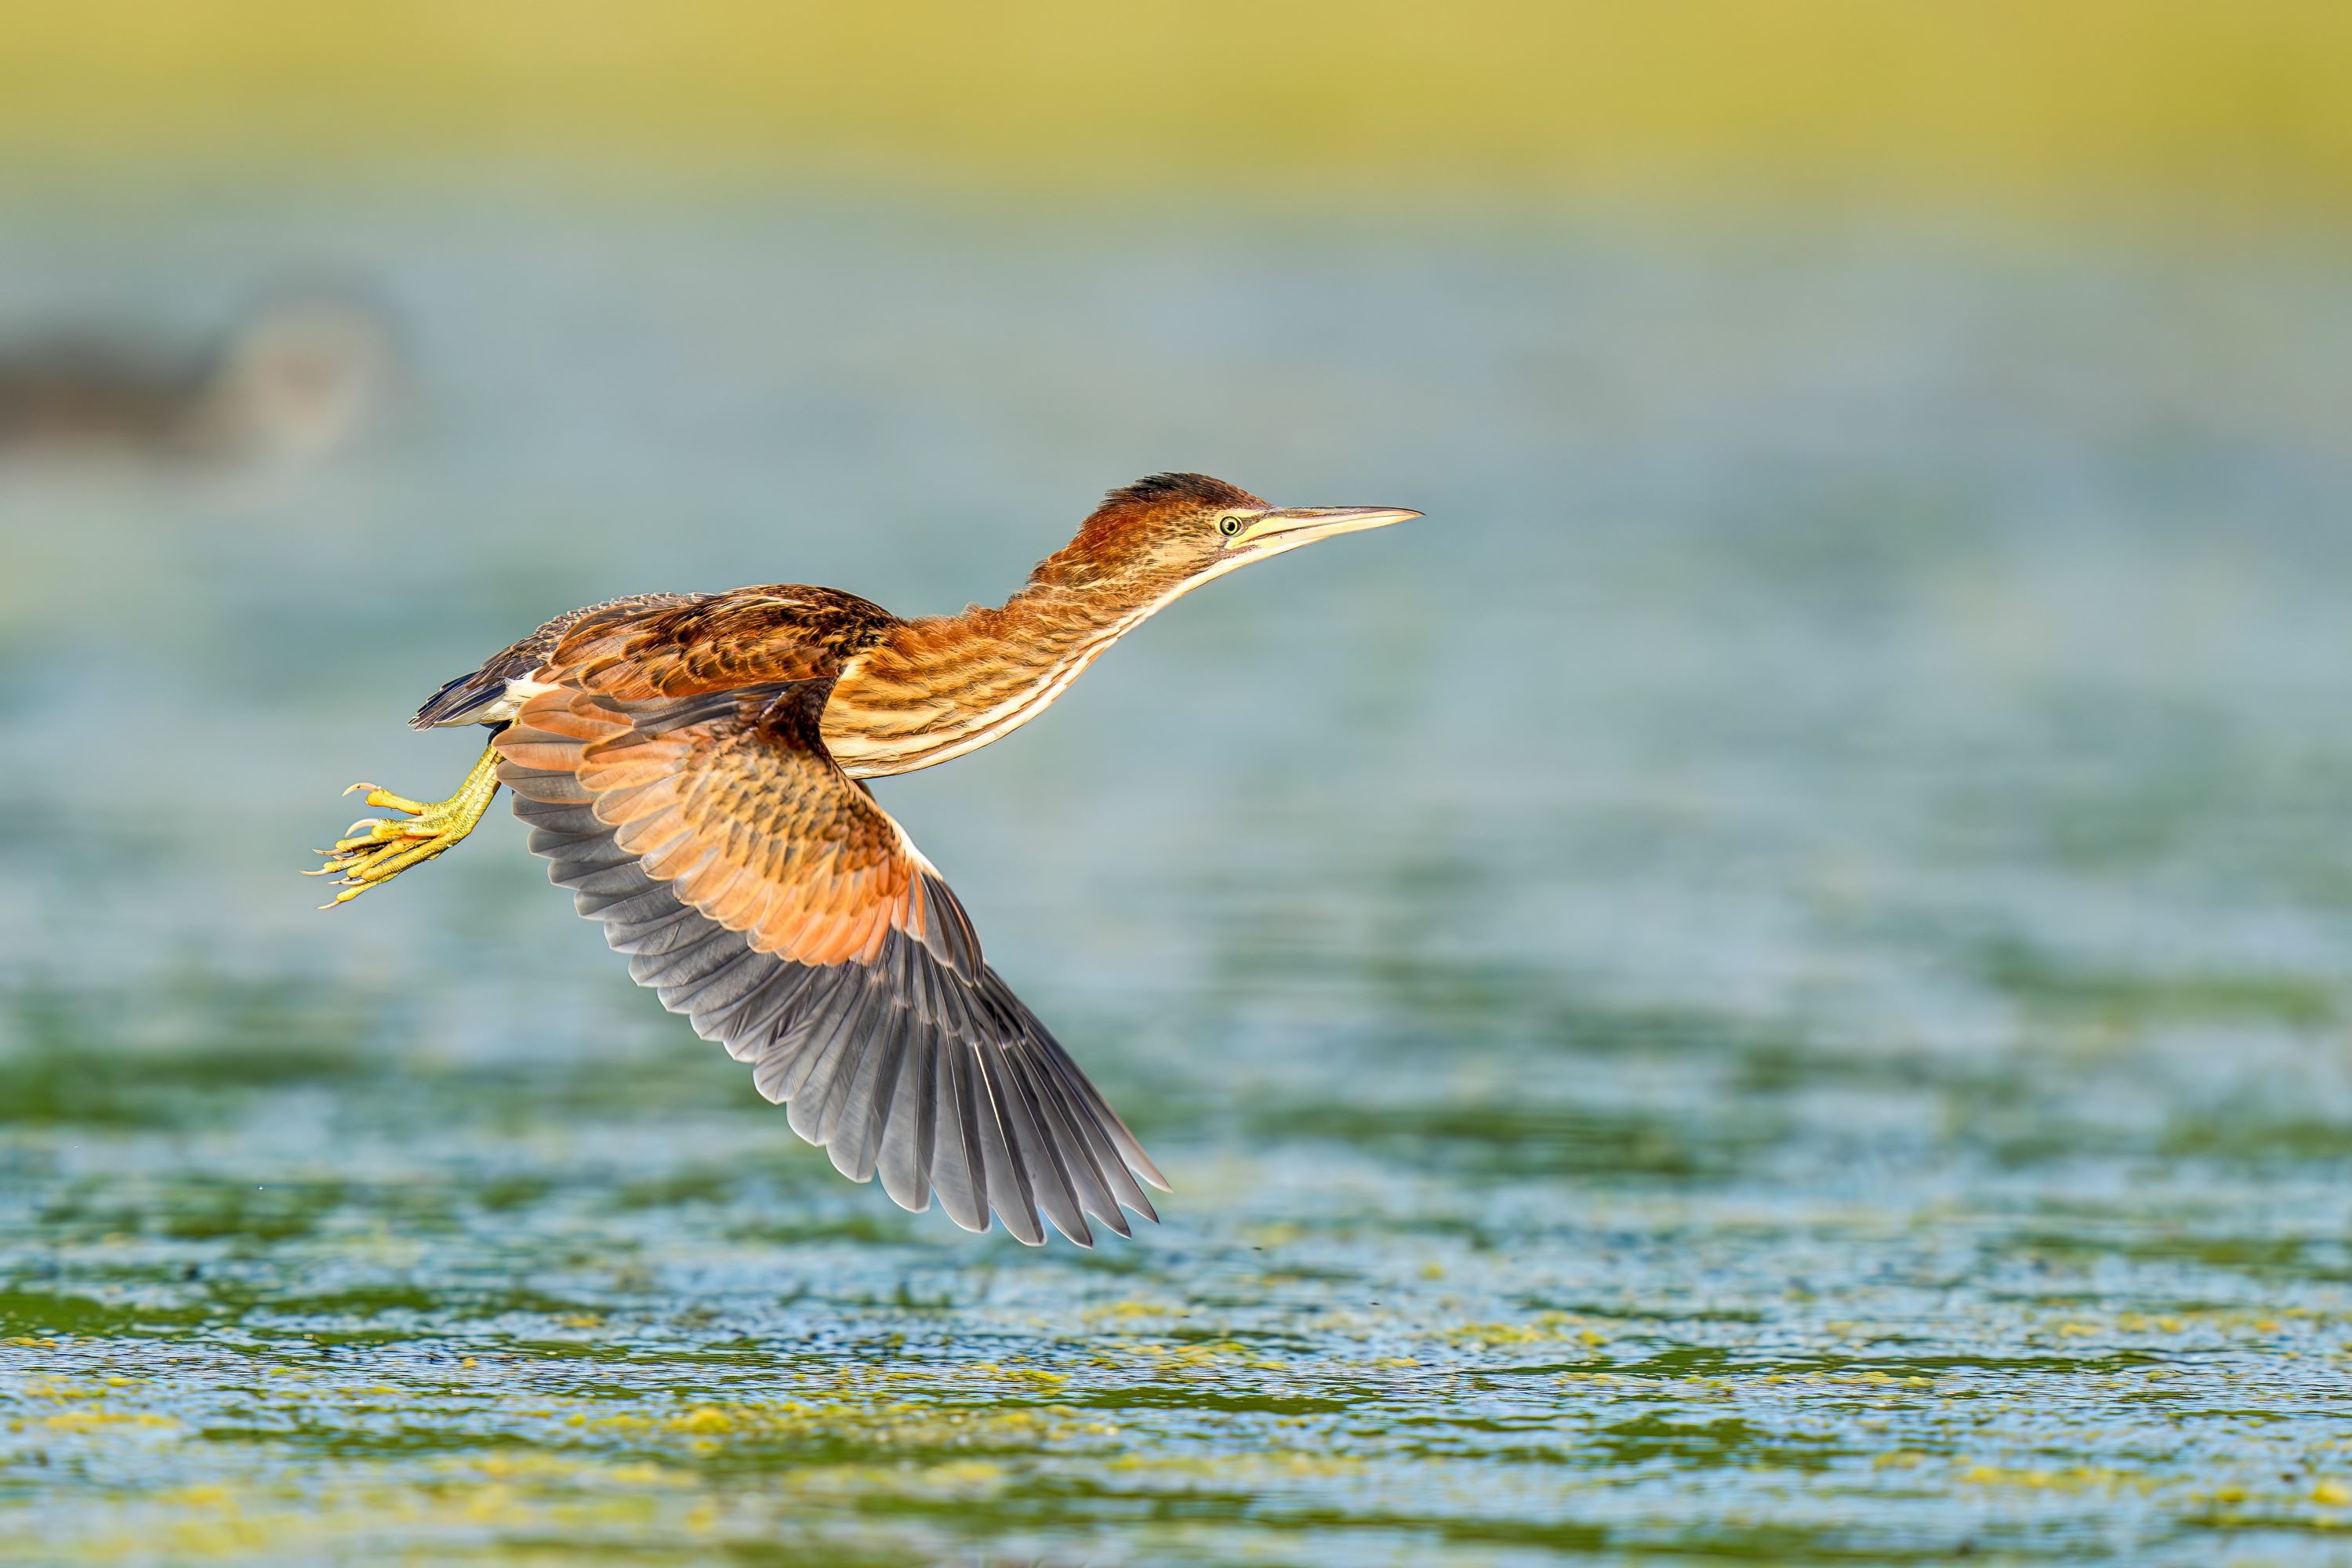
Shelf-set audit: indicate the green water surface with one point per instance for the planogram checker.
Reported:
(1769, 983)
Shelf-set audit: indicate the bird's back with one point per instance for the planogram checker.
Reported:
(670, 645)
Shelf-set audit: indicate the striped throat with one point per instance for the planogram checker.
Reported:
(935, 688)
(931, 690)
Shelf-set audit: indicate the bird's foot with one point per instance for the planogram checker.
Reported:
(375, 849)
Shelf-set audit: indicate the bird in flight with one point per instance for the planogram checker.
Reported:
(693, 767)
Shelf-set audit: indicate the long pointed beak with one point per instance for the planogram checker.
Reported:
(1303, 524)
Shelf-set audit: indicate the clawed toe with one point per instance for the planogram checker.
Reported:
(374, 849)
(370, 830)
(365, 863)
(377, 796)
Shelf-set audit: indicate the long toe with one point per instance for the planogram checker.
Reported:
(384, 799)
(374, 849)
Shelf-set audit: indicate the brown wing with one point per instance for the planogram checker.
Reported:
(750, 635)
(461, 700)
(763, 893)
(652, 645)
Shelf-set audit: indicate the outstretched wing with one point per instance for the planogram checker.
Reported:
(762, 893)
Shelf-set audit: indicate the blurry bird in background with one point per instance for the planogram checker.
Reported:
(692, 766)
(303, 371)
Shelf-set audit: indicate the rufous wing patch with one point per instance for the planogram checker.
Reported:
(732, 800)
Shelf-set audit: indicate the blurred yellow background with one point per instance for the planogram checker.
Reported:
(2031, 99)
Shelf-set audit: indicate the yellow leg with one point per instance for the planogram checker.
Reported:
(378, 849)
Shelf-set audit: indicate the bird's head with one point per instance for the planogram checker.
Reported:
(1181, 529)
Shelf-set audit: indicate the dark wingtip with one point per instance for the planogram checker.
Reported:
(948, 1073)
(458, 699)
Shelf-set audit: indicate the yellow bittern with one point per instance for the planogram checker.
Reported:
(692, 766)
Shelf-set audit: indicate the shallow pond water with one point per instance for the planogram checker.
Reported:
(1768, 983)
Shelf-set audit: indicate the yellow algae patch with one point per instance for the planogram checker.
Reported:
(1201, 1356)
(1544, 1327)
(496, 1503)
(707, 1419)
(1495, 1334)
(363, 1515)
(2333, 1494)
(888, 1423)
(646, 1474)
(955, 1479)
(1877, 1379)
(2244, 1320)
(1872, 1378)
(94, 1418)
(221, 1537)
(1026, 1376)
(1270, 1465)
(2072, 1478)
(963, 1473)
(540, 1467)
(1129, 1312)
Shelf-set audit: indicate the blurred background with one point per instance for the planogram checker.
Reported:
(1784, 948)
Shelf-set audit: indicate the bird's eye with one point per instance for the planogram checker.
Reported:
(1229, 526)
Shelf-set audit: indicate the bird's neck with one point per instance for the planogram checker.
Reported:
(937, 687)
